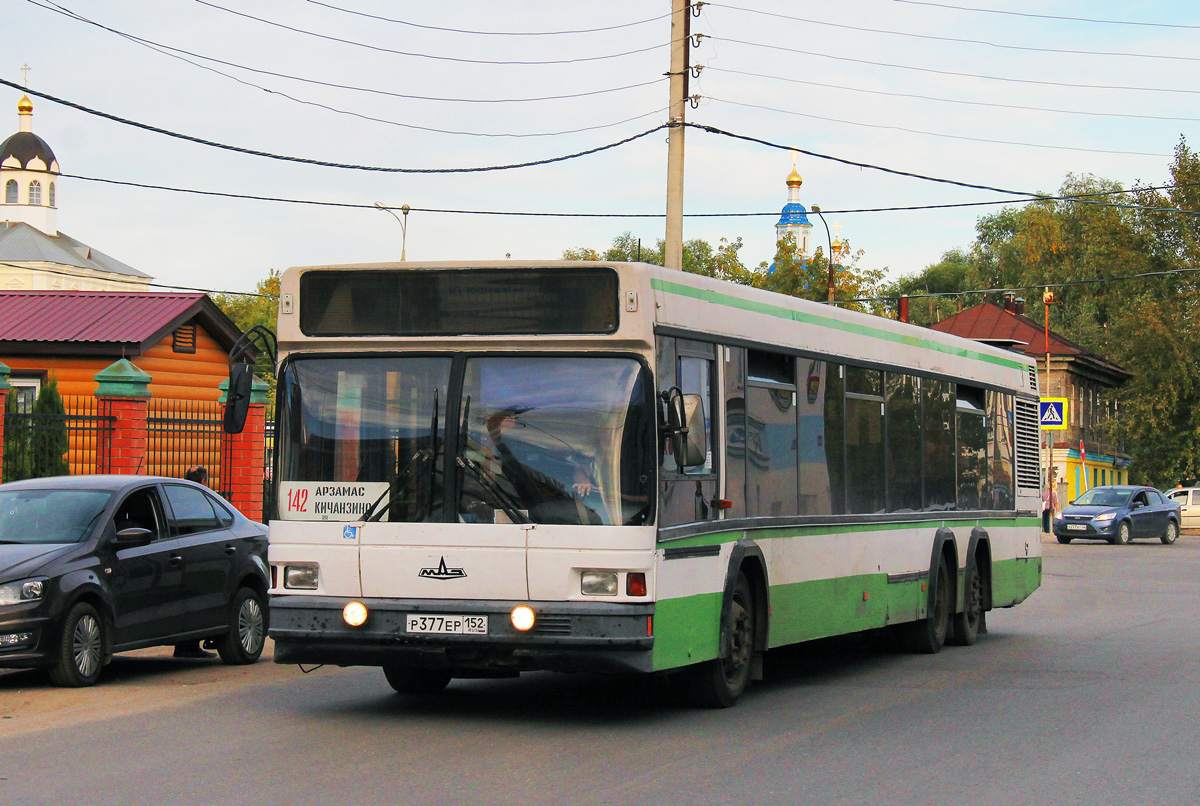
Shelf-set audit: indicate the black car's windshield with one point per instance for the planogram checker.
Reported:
(1099, 497)
(49, 516)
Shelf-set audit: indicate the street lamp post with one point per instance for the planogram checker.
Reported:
(403, 225)
(829, 255)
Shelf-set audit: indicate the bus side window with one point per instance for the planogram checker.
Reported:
(686, 497)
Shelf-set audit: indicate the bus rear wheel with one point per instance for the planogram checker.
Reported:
(719, 683)
(928, 635)
(965, 626)
(406, 680)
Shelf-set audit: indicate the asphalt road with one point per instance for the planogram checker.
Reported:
(1089, 693)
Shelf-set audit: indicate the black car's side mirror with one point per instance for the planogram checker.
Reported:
(133, 537)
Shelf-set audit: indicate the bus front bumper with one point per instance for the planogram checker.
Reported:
(566, 636)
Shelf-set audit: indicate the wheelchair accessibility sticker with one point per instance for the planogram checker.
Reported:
(349, 532)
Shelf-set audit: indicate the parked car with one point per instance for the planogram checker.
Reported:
(1118, 514)
(1189, 506)
(93, 565)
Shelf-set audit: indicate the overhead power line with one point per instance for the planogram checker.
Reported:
(956, 40)
(709, 69)
(561, 214)
(1049, 16)
(491, 33)
(460, 60)
(951, 72)
(550, 160)
(44, 270)
(1063, 284)
(183, 56)
(937, 134)
(323, 163)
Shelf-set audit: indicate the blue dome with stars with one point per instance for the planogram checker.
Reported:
(794, 214)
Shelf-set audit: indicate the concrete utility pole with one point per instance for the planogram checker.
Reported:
(680, 37)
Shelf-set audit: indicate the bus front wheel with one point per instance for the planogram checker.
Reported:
(406, 680)
(719, 683)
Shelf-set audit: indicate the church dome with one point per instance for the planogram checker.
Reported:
(794, 180)
(793, 215)
(25, 147)
(25, 106)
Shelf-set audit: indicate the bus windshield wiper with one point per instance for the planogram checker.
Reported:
(488, 483)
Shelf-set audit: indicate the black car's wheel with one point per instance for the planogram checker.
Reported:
(1124, 533)
(243, 644)
(1171, 534)
(406, 680)
(1064, 539)
(720, 682)
(929, 634)
(80, 648)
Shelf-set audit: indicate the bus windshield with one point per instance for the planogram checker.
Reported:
(541, 439)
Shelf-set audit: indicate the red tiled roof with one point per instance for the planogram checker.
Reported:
(990, 322)
(89, 316)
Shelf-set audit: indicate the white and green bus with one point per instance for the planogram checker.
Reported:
(501, 467)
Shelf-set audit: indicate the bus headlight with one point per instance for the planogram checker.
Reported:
(598, 583)
(522, 618)
(300, 577)
(355, 614)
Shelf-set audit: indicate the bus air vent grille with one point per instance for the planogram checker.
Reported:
(552, 625)
(1033, 379)
(1029, 447)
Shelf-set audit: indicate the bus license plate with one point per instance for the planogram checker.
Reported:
(431, 623)
(1077, 527)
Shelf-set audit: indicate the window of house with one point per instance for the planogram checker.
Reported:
(35, 192)
(24, 393)
(51, 194)
(10, 192)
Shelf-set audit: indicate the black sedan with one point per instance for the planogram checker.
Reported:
(1118, 514)
(93, 565)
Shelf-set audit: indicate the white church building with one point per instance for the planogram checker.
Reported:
(34, 255)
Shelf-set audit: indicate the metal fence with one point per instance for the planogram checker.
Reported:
(53, 444)
(181, 434)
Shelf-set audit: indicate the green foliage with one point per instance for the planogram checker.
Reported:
(792, 273)
(1145, 325)
(50, 441)
(38, 446)
(17, 460)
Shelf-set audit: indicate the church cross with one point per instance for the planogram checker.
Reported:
(26, 70)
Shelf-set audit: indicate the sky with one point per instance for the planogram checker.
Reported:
(1012, 95)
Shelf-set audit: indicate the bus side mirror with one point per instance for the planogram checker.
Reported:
(237, 398)
(685, 428)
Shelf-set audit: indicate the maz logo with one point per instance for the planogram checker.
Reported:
(442, 572)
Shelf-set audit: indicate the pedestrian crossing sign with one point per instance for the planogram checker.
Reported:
(1052, 413)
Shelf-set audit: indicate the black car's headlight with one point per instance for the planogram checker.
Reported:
(24, 590)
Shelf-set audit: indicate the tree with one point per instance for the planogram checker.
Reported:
(49, 442)
(798, 275)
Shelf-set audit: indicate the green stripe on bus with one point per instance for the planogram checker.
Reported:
(686, 630)
(780, 312)
(717, 538)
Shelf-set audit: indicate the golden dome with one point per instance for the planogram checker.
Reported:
(794, 180)
(25, 106)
